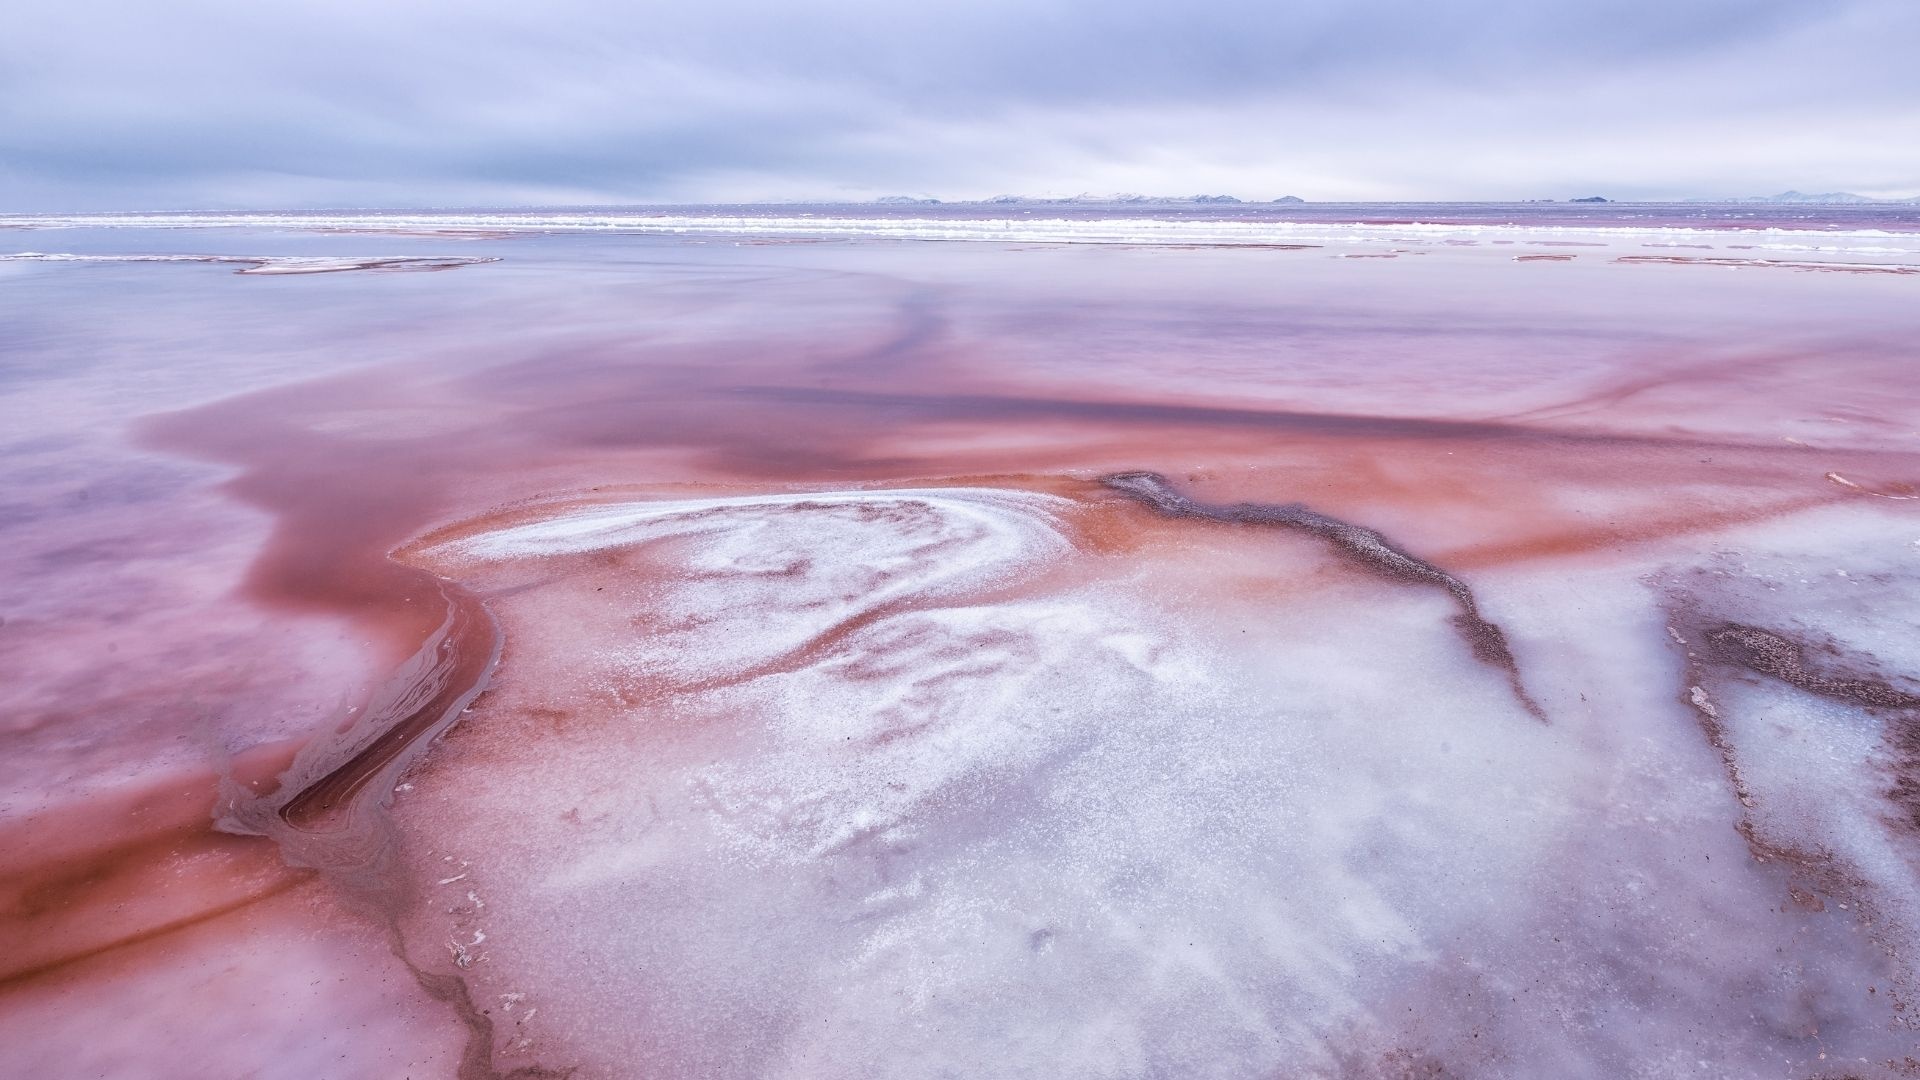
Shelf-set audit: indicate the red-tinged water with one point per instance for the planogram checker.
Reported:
(691, 656)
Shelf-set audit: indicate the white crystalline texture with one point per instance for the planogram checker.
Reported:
(1136, 228)
(767, 575)
(271, 265)
(892, 817)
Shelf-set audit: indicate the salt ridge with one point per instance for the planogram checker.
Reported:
(1112, 230)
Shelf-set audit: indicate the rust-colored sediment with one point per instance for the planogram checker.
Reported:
(130, 866)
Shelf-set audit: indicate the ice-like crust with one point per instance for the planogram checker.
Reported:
(903, 820)
(872, 815)
(1118, 228)
(852, 554)
(1005, 521)
(1814, 711)
(272, 265)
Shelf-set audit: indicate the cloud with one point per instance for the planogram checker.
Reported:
(116, 104)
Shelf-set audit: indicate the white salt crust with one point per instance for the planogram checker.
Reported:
(270, 265)
(1130, 229)
(766, 575)
(1119, 828)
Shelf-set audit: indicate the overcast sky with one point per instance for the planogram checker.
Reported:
(134, 104)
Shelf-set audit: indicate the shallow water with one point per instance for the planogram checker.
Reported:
(741, 651)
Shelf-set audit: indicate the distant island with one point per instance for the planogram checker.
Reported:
(1592, 198)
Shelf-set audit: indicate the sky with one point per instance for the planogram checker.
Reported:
(208, 104)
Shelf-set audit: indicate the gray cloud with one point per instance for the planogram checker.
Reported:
(114, 104)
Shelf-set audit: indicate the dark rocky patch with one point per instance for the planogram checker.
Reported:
(1358, 543)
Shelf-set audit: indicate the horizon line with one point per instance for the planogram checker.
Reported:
(1839, 199)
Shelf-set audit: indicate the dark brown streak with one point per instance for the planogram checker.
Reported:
(1811, 871)
(1769, 653)
(1362, 545)
(1776, 656)
(330, 810)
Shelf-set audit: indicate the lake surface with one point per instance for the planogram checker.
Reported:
(1020, 641)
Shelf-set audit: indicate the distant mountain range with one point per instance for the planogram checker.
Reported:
(1831, 197)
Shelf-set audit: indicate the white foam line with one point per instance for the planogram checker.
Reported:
(270, 264)
(1111, 230)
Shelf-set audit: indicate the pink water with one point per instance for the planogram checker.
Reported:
(707, 656)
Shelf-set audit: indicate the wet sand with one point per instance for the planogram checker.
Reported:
(653, 657)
